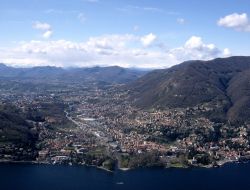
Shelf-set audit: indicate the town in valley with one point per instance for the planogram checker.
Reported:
(100, 125)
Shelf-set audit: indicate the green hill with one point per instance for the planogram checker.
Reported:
(17, 137)
(222, 84)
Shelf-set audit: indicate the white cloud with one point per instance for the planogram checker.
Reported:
(239, 22)
(47, 34)
(60, 11)
(41, 26)
(124, 50)
(45, 27)
(111, 41)
(194, 42)
(82, 17)
(151, 9)
(132, 8)
(148, 39)
(227, 52)
(180, 20)
(195, 48)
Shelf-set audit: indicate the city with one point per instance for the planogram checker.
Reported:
(89, 125)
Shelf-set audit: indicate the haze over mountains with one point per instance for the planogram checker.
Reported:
(113, 74)
(222, 84)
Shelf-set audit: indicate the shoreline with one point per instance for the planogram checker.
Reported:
(220, 164)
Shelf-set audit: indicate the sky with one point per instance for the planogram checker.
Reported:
(127, 33)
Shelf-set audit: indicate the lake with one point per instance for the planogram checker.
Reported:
(41, 177)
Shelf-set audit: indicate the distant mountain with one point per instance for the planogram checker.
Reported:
(6, 71)
(113, 74)
(222, 83)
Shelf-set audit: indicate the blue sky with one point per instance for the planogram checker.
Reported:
(130, 33)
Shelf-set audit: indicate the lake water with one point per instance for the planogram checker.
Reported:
(46, 177)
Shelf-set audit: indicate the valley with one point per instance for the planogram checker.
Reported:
(103, 124)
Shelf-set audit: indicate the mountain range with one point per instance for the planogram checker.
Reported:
(222, 84)
(112, 74)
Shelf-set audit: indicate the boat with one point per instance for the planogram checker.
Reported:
(120, 183)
